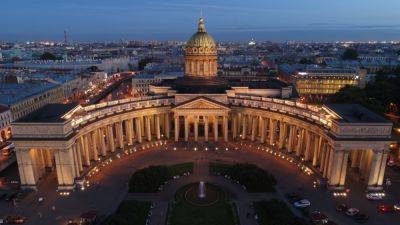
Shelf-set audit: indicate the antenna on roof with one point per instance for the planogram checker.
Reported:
(201, 12)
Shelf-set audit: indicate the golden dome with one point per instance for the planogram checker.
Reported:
(201, 38)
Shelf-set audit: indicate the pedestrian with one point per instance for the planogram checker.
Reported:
(53, 208)
(40, 215)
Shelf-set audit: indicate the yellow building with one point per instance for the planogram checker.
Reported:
(321, 82)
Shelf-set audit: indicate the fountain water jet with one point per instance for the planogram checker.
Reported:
(202, 189)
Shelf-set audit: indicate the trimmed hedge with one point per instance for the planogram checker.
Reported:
(129, 213)
(149, 179)
(252, 177)
(276, 212)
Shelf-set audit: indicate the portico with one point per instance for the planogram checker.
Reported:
(209, 116)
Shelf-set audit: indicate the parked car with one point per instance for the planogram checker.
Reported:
(385, 208)
(397, 207)
(374, 196)
(304, 203)
(2, 195)
(352, 211)
(361, 217)
(318, 218)
(15, 219)
(10, 196)
(342, 208)
(88, 218)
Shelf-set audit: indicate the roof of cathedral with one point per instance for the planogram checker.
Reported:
(201, 38)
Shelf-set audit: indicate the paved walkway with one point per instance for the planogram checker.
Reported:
(110, 186)
(240, 197)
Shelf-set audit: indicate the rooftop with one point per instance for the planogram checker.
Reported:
(37, 83)
(354, 113)
(50, 113)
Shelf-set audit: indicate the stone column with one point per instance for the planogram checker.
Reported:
(138, 124)
(206, 128)
(323, 155)
(148, 128)
(215, 128)
(336, 166)
(86, 156)
(254, 125)
(157, 124)
(377, 170)
(118, 129)
(176, 128)
(186, 128)
(95, 140)
(262, 129)
(308, 146)
(128, 131)
(225, 121)
(196, 128)
(102, 142)
(317, 149)
(111, 141)
(354, 158)
(299, 143)
(244, 131)
(291, 138)
(234, 127)
(167, 126)
(75, 158)
(330, 161)
(79, 155)
(282, 134)
(343, 171)
(65, 168)
(272, 131)
(29, 175)
(326, 161)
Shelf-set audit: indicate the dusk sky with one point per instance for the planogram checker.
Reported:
(97, 20)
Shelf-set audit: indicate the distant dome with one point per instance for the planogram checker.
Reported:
(201, 38)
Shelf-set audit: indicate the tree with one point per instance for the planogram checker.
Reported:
(305, 61)
(356, 95)
(143, 62)
(49, 56)
(350, 54)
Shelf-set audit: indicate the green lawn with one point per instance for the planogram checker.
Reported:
(276, 212)
(252, 177)
(129, 213)
(183, 213)
(149, 179)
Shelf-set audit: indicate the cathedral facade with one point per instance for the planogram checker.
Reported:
(200, 107)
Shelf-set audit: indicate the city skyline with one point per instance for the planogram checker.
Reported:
(263, 20)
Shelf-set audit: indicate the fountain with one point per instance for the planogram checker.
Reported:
(202, 189)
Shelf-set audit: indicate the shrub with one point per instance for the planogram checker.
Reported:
(252, 177)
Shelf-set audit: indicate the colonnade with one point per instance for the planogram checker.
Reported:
(305, 140)
(95, 142)
(208, 122)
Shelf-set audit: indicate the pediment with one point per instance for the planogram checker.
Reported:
(201, 104)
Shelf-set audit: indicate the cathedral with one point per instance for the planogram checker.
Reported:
(202, 108)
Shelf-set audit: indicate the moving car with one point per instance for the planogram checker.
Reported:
(361, 217)
(342, 208)
(385, 208)
(352, 212)
(397, 207)
(15, 219)
(318, 218)
(88, 218)
(304, 203)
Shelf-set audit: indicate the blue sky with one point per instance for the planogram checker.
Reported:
(176, 19)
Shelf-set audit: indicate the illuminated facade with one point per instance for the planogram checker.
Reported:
(73, 139)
